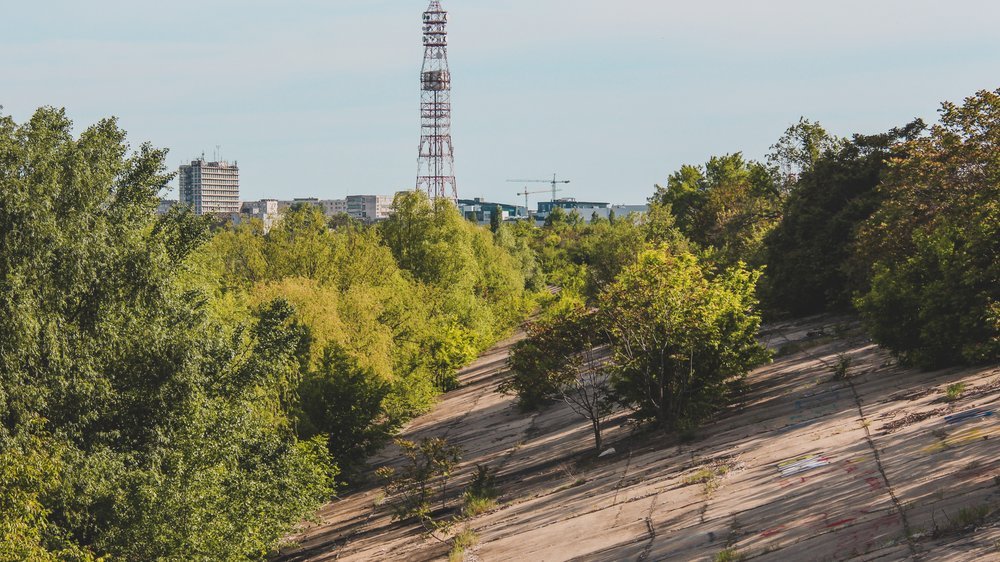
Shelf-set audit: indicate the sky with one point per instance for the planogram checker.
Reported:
(319, 98)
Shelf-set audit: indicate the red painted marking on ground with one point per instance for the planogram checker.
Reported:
(841, 522)
(772, 532)
(874, 483)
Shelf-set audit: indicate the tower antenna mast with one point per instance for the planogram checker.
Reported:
(436, 155)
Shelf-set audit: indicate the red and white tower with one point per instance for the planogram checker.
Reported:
(436, 161)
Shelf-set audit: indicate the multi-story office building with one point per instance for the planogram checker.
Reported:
(210, 187)
(482, 211)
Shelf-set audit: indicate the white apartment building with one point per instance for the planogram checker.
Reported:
(369, 208)
(210, 187)
(333, 207)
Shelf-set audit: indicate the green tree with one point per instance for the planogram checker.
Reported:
(154, 424)
(345, 401)
(809, 253)
(933, 243)
(681, 336)
(496, 219)
(729, 204)
(798, 149)
(422, 481)
(540, 364)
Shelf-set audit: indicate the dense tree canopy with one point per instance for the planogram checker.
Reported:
(176, 389)
(131, 422)
(809, 253)
(934, 244)
(728, 205)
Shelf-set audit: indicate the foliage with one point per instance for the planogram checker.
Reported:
(481, 494)
(730, 554)
(466, 538)
(585, 373)
(843, 366)
(728, 204)
(539, 363)
(809, 253)
(954, 391)
(681, 335)
(475, 283)
(799, 149)
(347, 402)
(579, 259)
(133, 424)
(932, 246)
(392, 312)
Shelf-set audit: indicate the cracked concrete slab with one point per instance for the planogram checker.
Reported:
(816, 467)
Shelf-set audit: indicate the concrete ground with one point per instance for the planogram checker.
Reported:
(877, 465)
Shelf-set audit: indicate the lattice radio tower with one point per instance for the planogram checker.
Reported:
(436, 163)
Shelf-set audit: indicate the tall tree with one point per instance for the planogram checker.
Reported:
(154, 425)
(808, 254)
(681, 337)
(797, 151)
(728, 204)
(933, 244)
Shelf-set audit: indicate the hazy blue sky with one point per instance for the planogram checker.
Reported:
(320, 97)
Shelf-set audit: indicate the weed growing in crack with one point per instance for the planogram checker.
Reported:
(463, 540)
(730, 554)
(954, 391)
(842, 367)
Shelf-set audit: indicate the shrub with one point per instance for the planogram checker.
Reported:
(681, 336)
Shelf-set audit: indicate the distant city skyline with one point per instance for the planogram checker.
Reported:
(321, 100)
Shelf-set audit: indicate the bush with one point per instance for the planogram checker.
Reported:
(422, 481)
(682, 336)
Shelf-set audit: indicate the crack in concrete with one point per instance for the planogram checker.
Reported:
(618, 487)
(881, 469)
(652, 532)
(875, 452)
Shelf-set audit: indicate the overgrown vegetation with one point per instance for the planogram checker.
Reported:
(172, 392)
(462, 541)
(954, 391)
(157, 376)
(932, 246)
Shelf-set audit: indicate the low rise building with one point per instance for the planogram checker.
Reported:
(369, 208)
(266, 210)
(165, 206)
(482, 211)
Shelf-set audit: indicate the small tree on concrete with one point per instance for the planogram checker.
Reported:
(588, 392)
(429, 465)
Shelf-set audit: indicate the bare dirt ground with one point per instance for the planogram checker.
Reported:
(878, 465)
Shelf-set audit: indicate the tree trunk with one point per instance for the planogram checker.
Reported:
(597, 434)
